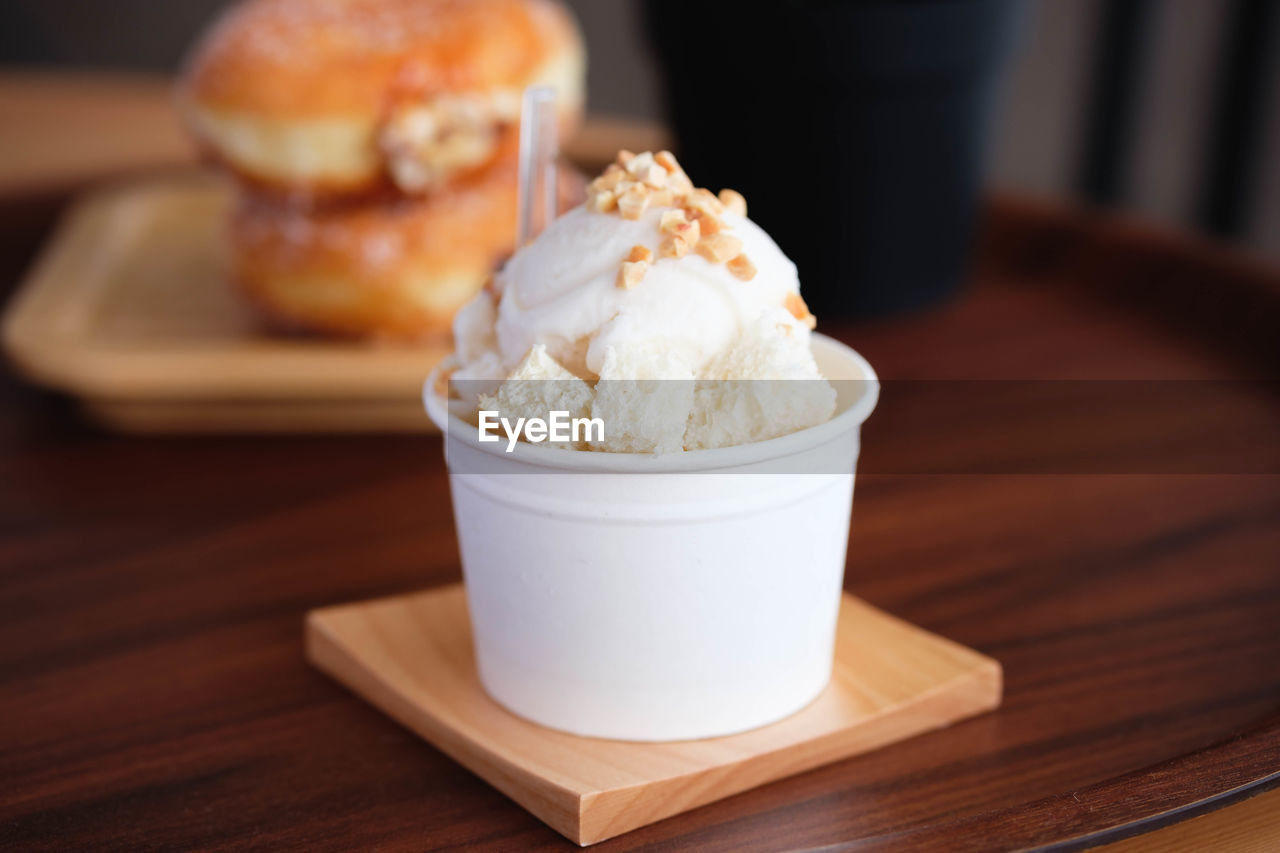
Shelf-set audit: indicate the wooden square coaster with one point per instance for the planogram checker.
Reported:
(412, 657)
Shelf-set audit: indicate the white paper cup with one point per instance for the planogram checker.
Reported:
(650, 598)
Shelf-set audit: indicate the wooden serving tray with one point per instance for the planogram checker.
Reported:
(412, 657)
(130, 309)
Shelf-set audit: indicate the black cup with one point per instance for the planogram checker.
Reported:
(855, 130)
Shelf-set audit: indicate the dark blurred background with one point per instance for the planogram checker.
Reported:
(1164, 69)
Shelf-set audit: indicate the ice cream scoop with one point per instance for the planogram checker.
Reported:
(654, 279)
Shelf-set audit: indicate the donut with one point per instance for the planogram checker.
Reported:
(396, 269)
(339, 98)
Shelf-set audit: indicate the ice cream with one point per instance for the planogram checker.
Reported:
(651, 279)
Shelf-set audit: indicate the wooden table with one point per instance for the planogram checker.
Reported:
(152, 591)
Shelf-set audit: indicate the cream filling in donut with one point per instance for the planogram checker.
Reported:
(428, 142)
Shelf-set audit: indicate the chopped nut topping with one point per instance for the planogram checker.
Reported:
(693, 222)
(662, 198)
(680, 183)
(703, 201)
(683, 237)
(690, 232)
(610, 178)
(741, 266)
(640, 163)
(670, 219)
(677, 181)
(630, 273)
(795, 304)
(733, 202)
(667, 160)
(709, 224)
(655, 176)
(603, 201)
(673, 247)
(643, 168)
(632, 203)
(640, 253)
(719, 248)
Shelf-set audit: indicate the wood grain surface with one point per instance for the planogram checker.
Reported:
(412, 657)
(155, 693)
(1252, 826)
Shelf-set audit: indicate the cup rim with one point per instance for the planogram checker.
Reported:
(568, 459)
